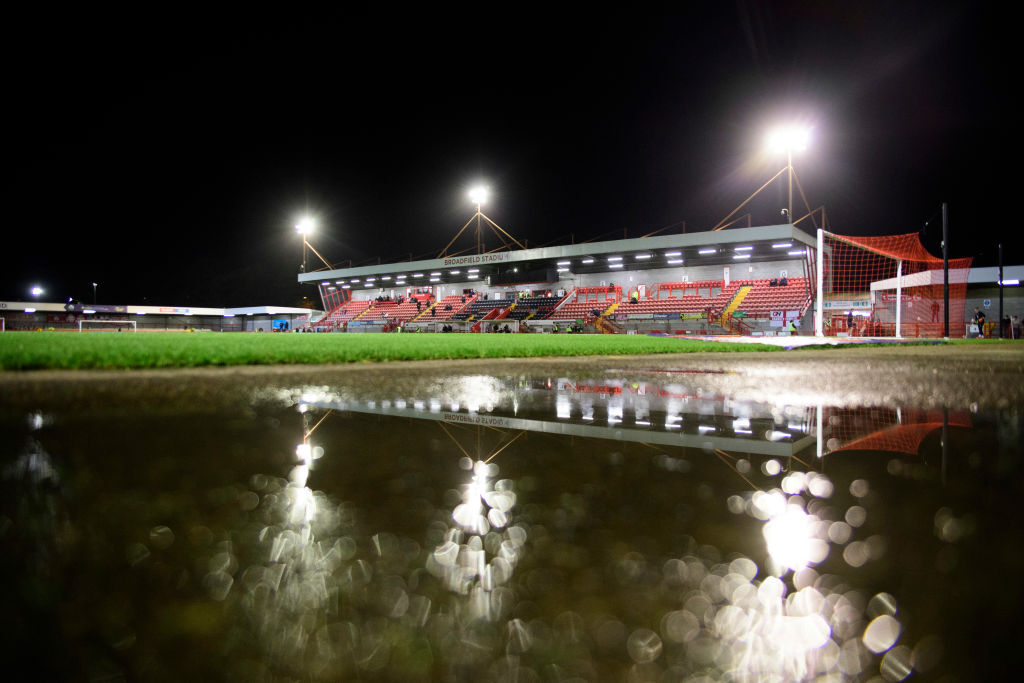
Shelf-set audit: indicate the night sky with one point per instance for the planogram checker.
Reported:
(166, 155)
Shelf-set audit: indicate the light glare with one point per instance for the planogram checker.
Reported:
(789, 138)
(478, 195)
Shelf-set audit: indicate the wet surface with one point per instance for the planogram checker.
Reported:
(686, 518)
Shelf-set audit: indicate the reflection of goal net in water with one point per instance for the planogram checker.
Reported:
(889, 286)
(105, 325)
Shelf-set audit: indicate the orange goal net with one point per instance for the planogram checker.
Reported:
(889, 286)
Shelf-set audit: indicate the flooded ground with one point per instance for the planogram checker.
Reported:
(836, 516)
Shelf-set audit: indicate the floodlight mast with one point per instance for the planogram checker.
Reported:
(478, 195)
(304, 227)
(790, 139)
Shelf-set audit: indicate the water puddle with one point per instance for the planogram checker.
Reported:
(524, 528)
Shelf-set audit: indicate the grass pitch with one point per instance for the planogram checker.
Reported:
(106, 350)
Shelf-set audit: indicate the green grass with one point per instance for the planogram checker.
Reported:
(67, 350)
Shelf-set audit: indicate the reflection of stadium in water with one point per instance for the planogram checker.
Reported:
(783, 619)
(539, 528)
(665, 415)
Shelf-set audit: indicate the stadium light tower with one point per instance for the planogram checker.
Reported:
(478, 195)
(304, 227)
(94, 286)
(789, 139)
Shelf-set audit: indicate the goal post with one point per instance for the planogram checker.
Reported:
(888, 286)
(106, 325)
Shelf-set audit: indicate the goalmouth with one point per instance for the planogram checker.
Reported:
(888, 286)
(112, 325)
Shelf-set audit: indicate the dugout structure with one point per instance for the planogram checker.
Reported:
(886, 286)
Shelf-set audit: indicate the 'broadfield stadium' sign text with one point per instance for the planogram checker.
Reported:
(477, 258)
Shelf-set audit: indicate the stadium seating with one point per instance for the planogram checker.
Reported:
(479, 308)
(763, 298)
(752, 300)
(442, 312)
(342, 315)
(395, 312)
(533, 307)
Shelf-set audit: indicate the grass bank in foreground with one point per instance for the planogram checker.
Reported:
(106, 350)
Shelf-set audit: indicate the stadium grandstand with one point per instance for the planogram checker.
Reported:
(754, 281)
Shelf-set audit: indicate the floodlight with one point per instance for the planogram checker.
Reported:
(37, 290)
(304, 226)
(789, 139)
(478, 195)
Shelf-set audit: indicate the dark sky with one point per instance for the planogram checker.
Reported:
(166, 155)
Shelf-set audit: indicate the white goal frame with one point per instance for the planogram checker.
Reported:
(133, 323)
